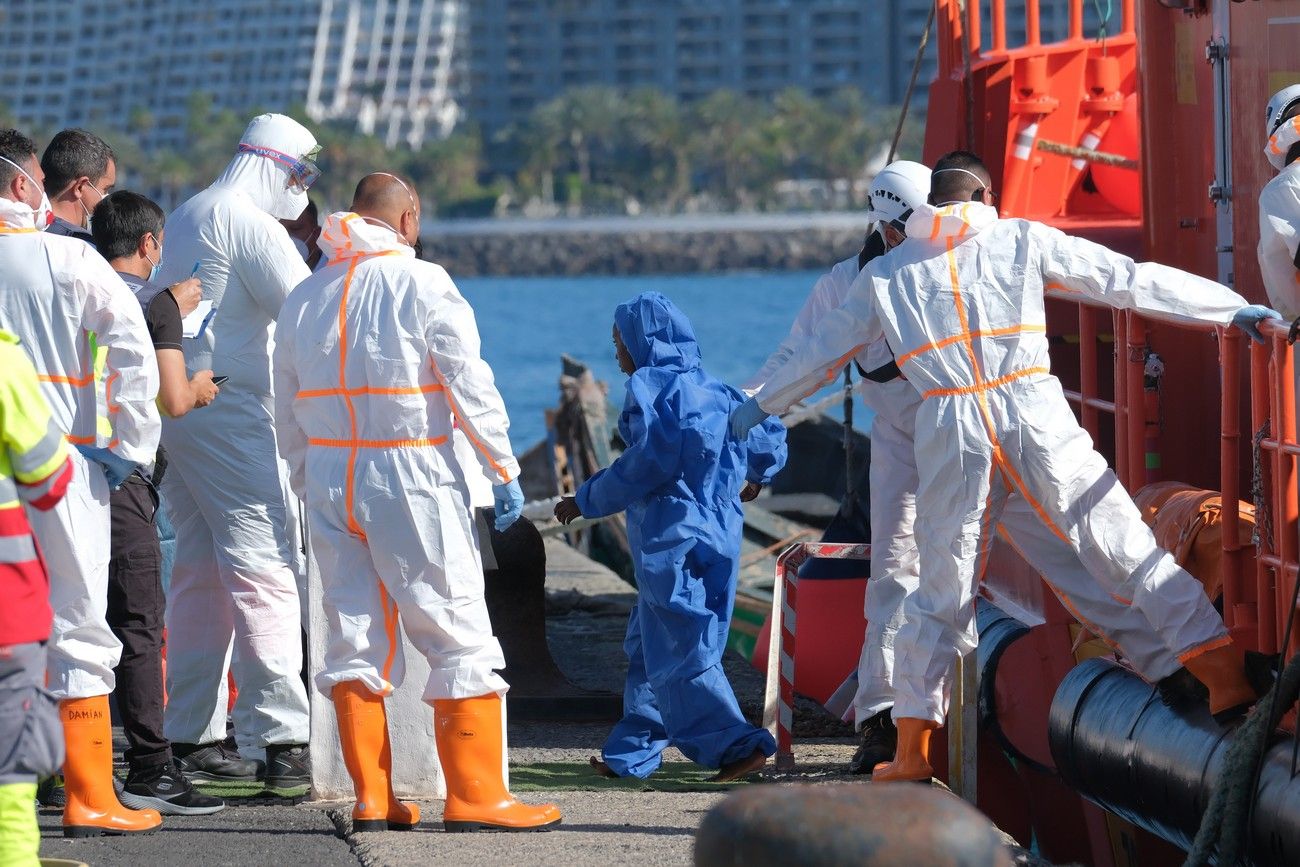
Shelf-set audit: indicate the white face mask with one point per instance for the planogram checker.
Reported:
(83, 204)
(44, 213)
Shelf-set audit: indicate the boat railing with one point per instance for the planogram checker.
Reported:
(1045, 106)
(1259, 385)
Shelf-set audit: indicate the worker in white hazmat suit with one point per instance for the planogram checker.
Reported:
(235, 582)
(961, 306)
(1279, 204)
(53, 290)
(377, 360)
(895, 192)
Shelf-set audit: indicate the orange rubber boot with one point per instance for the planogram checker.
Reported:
(368, 754)
(1223, 671)
(912, 756)
(470, 741)
(92, 808)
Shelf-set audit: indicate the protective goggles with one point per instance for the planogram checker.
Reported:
(303, 172)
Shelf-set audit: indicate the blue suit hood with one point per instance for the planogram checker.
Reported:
(657, 333)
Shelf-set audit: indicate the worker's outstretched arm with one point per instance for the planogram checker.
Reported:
(841, 334)
(37, 448)
(131, 369)
(765, 451)
(1076, 265)
(471, 390)
(290, 439)
(650, 460)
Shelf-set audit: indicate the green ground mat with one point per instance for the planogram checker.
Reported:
(579, 777)
(252, 793)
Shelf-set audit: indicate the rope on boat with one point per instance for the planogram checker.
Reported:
(1092, 156)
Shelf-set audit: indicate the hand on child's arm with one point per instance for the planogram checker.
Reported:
(567, 510)
(750, 491)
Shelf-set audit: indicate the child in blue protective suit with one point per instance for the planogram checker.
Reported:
(680, 481)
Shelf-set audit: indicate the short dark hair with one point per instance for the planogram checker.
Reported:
(72, 154)
(949, 181)
(120, 220)
(17, 148)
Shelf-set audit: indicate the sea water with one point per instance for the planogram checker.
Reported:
(526, 323)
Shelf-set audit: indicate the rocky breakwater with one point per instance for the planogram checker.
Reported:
(642, 245)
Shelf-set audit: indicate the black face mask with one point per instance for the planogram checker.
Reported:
(418, 247)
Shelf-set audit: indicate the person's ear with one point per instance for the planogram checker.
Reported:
(411, 226)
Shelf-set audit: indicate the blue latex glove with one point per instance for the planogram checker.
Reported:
(116, 468)
(1249, 317)
(509, 503)
(745, 417)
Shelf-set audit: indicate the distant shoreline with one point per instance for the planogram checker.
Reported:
(690, 243)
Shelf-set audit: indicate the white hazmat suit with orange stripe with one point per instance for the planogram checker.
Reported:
(895, 567)
(377, 359)
(53, 290)
(236, 579)
(961, 305)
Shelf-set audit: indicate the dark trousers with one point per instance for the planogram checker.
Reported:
(135, 614)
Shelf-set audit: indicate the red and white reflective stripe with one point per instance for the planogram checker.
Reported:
(781, 639)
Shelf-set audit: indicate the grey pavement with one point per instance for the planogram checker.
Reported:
(599, 829)
(238, 836)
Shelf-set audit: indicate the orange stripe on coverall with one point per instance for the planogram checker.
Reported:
(353, 444)
(957, 338)
(981, 388)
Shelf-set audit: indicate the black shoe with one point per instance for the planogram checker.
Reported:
(1181, 690)
(50, 793)
(215, 763)
(166, 790)
(288, 766)
(879, 743)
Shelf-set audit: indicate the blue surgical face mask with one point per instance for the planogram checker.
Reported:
(157, 266)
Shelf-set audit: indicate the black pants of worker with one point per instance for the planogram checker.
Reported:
(135, 614)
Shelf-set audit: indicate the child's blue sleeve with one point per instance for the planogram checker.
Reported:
(766, 451)
(651, 458)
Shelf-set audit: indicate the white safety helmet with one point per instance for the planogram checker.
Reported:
(897, 190)
(1278, 106)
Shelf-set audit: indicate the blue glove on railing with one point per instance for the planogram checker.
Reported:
(509, 504)
(116, 468)
(1249, 317)
(745, 417)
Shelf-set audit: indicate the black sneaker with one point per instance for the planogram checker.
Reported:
(165, 789)
(879, 742)
(288, 766)
(215, 763)
(50, 792)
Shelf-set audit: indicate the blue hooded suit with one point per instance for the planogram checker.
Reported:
(679, 482)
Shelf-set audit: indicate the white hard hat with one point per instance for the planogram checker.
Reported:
(897, 190)
(1277, 108)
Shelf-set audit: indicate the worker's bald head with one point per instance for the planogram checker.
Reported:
(960, 176)
(389, 199)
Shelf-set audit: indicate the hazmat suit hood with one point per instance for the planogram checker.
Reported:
(264, 180)
(657, 334)
(954, 222)
(348, 234)
(17, 215)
